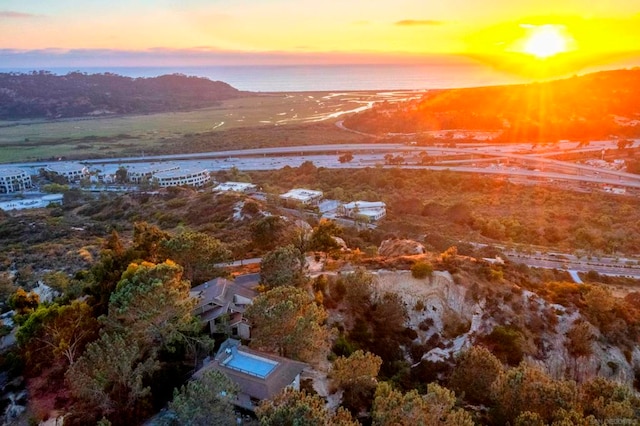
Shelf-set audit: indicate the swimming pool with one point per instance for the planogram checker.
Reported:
(250, 364)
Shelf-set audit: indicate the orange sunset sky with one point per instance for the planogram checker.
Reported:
(521, 36)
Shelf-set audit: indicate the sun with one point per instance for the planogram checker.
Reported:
(545, 41)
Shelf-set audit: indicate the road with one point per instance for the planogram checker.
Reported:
(603, 266)
(473, 158)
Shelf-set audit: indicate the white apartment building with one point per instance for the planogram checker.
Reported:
(73, 172)
(305, 196)
(235, 187)
(372, 210)
(13, 179)
(137, 173)
(182, 177)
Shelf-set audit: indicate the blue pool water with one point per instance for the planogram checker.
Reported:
(255, 366)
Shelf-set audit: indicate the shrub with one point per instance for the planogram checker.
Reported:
(342, 346)
(421, 270)
(474, 374)
(507, 344)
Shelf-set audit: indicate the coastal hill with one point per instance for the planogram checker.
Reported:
(41, 94)
(592, 106)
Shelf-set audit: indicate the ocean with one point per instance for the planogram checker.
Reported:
(309, 78)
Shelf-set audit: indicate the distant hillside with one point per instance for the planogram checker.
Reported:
(581, 108)
(45, 95)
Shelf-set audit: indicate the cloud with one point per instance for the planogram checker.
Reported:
(10, 14)
(418, 23)
(52, 58)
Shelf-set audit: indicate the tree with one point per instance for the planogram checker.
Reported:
(392, 407)
(526, 388)
(56, 188)
(607, 400)
(24, 303)
(153, 305)
(356, 377)
(197, 253)
(379, 319)
(121, 175)
(527, 418)
(149, 317)
(359, 290)
(270, 232)
(58, 281)
(393, 160)
(286, 321)
(297, 408)
(347, 157)
(109, 380)
(507, 343)
(113, 243)
(474, 374)
(206, 401)
(105, 274)
(323, 235)
(147, 241)
(579, 339)
(57, 332)
(390, 315)
(359, 366)
(425, 158)
(282, 267)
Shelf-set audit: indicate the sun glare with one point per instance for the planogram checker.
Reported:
(545, 41)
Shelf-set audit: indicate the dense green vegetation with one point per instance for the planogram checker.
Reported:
(446, 207)
(437, 208)
(593, 106)
(121, 299)
(45, 95)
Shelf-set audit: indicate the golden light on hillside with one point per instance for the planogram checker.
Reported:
(545, 41)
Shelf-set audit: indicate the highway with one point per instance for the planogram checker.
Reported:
(517, 160)
(604, 266)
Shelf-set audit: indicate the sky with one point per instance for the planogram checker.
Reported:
(41, 33)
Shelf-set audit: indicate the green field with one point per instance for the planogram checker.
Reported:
(129, 135)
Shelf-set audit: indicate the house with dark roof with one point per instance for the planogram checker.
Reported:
(259, 375)
(221, 304)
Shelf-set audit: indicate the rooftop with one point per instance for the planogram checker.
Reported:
(63, 167)
(259, 375)
(31, 203)
(301, 194)
(12, 171)
(151, 168)
(222, 291)
(234, 186)
(365, 205)
(177, 173)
